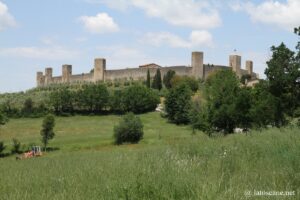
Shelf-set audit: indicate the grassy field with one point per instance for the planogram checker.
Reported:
(169, 163)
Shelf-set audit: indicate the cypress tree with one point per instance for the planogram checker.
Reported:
(157, 83)
(148, 79)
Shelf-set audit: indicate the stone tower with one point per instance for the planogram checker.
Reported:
(197, 65)
(235, 63)
(66, 73)
(99, 69)
(48, 75)
(249, 67)
(40, 79)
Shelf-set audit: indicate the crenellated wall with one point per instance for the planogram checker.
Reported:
(197, 70)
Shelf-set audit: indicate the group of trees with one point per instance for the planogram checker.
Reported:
(170, 80)
(96, 98)
(225, 104)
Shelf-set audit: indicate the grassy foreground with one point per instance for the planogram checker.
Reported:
(170, 163)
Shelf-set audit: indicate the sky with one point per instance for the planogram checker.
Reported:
(37, 34)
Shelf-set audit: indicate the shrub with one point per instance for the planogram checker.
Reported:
(178, 104)
(130, 129)
(16, 146)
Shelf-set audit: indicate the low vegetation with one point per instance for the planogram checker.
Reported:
(129, 130)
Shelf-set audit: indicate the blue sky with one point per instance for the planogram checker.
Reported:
(36, 34)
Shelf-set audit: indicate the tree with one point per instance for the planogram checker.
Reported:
(198, 117)
(129, 129)
(28, 107)
(157, 83)
(93, 97)
(148, 82)
(47, 132)
(168, 77)
(283, 74)
(221, 90)
(178, 104)
(139, 99)
(264, 106)
(190, 81)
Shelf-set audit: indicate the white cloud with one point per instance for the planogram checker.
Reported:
(120, 56)
(101, 23)
(187, 13)
(6, 19)
(196, 39)
(47, 53)
(285, 15)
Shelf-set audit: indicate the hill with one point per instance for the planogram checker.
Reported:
(169, 163)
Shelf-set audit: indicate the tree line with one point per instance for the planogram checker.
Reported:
(225, 104)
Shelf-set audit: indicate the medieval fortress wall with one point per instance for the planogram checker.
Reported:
(100, 73)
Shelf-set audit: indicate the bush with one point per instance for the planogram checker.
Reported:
(178, 104)
(16, 146)
(130, 129)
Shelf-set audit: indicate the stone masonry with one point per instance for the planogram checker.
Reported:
(100, 73)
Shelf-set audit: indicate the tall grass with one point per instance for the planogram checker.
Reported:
(184, 166)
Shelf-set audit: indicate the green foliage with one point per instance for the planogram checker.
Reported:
(130, 129)
(2, 147)
(47, 131)
(178, 104)
(139, 99)
(263, 106)
(62, 101)
(93, 97)
(28, 107)
(16, 146)
(190, 81)
(283, 74)
(198, 117)
(157, 83)
(168, 77)
(243, 105)
(117, 101)
(221, 91)
(3, 119)
(148, 81)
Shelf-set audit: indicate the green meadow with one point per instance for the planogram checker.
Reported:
(171, 162)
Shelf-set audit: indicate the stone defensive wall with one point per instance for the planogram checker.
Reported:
(197, 69)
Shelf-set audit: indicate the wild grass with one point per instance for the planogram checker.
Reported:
(169, 163)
